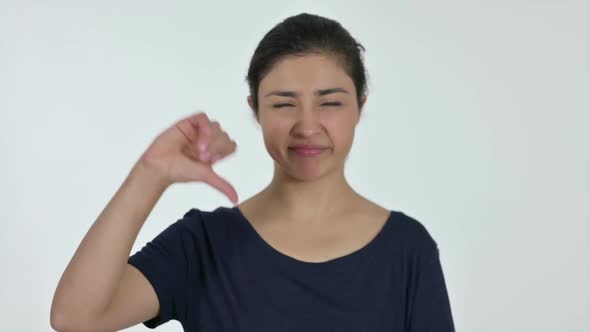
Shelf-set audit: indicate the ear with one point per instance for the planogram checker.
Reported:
(251, 103)
(363, 101)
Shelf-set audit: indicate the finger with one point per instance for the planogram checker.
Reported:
(201, 122)
(196, 118)
(221, 145)
(193, 153)
(216, 157)
(188, 130)
(214, 130)
(215, 127)
(189, 127)
(215, 134)
(221, 184)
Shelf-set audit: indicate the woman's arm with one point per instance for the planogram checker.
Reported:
(92, 277)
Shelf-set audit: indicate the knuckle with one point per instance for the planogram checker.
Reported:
(206, 128)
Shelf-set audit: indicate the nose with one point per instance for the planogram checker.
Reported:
(307, 121)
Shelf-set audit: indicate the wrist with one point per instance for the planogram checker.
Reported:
(149, 176)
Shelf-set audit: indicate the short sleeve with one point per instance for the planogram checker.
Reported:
(167, 261)
(429, 306)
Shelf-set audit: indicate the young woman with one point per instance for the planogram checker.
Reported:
(307, 253)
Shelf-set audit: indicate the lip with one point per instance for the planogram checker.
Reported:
(307, 146)
(308, 150)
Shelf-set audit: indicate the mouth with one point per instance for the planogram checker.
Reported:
(307, 146)
(308, 151)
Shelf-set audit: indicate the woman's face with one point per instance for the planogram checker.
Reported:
(307, 100)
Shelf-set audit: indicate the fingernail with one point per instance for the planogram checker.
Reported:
(205, 155)
(203, 146)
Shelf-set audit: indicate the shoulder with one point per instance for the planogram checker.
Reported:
(196, 215)
(409, 231)
(412, 233)
(208, 220)
(218, 215)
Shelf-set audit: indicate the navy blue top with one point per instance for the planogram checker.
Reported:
(212, 271)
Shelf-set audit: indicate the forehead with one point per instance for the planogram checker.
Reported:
(307, 72)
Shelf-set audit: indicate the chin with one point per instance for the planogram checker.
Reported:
(309, 172)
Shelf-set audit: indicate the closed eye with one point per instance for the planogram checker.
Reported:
(332, 104)
(281, 105)
(324, 104)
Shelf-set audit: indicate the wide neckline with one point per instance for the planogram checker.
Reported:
(334, 261)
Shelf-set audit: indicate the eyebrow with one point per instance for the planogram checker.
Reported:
(320, 92)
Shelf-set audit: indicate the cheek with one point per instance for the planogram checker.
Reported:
(342, 134)
(275, 139)
(276, 134)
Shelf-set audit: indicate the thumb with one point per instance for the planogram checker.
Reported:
(219, 183)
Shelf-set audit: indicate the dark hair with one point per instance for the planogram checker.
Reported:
(307, 34)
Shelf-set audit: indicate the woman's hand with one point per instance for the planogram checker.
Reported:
(186, 151)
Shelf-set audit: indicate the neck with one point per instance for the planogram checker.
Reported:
(310, 200)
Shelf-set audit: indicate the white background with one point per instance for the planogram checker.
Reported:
(477, 124)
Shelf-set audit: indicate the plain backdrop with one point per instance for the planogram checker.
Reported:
(477, 124)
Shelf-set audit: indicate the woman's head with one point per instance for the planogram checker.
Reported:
(307, 86)
(305, 34)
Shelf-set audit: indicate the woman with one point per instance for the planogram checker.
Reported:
(307, 253)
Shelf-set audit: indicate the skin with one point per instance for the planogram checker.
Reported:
(309, 210)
